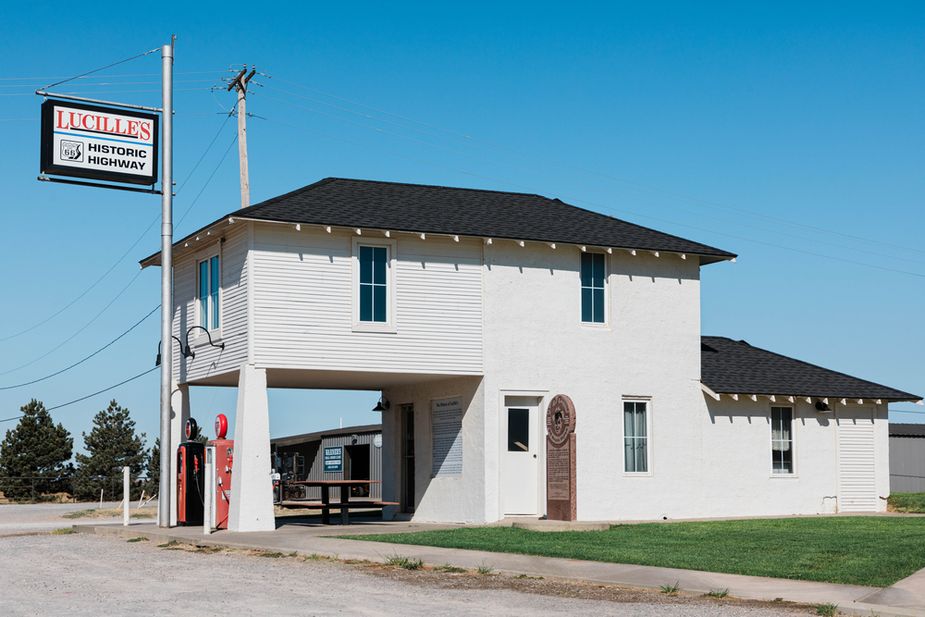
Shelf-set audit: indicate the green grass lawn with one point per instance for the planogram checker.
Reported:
(907, 502)
(862, 550)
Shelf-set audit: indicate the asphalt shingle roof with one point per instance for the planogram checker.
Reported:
(735, 367)
(466, 212)
(907, 430)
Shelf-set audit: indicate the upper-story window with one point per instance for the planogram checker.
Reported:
(592, 287)
(209, 284)
(782, 440)
(374, 291)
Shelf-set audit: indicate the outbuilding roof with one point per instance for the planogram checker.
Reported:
(907, 430)
(735, 367)
(420, 208)
(361, 429)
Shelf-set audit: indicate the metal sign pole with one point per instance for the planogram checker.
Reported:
(164, 497)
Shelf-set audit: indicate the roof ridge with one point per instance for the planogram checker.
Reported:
(438, 186)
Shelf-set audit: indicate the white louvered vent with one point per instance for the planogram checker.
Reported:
(856, 466)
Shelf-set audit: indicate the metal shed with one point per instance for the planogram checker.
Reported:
(349, 453)
(907, 458)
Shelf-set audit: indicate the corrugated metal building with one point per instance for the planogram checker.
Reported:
(352, 453)
(907, 458)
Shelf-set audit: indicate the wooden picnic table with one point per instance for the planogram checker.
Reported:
(345, 504)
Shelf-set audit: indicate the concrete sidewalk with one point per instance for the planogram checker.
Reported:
(904, 599)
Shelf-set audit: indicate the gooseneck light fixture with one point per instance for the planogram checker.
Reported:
(382, 405)
(185, 351)
(189, 352)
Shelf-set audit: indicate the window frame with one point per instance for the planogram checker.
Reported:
(793, 442)
(604, 290)
(387, 326)
(647, 401)
(207, 257)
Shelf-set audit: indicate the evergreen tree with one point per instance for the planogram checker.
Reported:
(110, 445)
(34, 456)
(153, 468)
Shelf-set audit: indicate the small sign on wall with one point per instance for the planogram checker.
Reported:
(446, 417)
(334, 459)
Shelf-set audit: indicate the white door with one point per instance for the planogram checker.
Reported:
(857, 480)
(519, 461)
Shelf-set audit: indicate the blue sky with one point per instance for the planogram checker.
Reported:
(790, 133)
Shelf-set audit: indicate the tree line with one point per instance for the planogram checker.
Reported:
(36, 456)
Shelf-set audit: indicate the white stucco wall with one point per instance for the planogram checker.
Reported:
(736, 459)
(496, 319)
(457, 498)
(650, 346)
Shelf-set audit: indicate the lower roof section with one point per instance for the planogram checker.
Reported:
(735, 367)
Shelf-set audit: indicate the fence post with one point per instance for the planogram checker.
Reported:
(125, 496)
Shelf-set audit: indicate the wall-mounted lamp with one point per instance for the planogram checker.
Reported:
(183, 350)
(382, 405)
(822, 406)
(189, 352)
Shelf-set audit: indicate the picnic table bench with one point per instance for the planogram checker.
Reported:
(345, 503)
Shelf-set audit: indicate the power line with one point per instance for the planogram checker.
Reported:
(84, 292)
(79, 330)
(779, 246)
(99, 84)
(129, 249)
(209, 180)
(102, 68)
(82, 360)
(40, 78)
(771, 244)
(121, 383)
(83, 398)
(468, 140)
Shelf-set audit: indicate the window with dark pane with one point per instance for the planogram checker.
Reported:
(782, 440)
(592, 287)
(635, 437)
(373, 283)
(518, 430)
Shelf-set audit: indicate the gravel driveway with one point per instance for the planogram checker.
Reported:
(89, 575)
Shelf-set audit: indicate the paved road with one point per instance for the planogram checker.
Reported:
(86, 575)
(20, 518)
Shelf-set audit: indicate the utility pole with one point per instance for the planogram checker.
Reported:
(239, 83)
(164, 498)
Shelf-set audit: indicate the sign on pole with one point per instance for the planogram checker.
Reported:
(100, 143)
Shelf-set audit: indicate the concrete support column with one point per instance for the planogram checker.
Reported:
(251, 487)
(179, 414)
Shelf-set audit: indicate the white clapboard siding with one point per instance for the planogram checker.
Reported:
(303, 305)
(857, 480)
(210, 361)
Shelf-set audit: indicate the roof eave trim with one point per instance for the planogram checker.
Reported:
(717, 394)
(705, 258)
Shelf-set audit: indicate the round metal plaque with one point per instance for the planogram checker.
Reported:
(560, 419)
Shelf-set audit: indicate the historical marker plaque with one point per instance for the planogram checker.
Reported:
(560, 459)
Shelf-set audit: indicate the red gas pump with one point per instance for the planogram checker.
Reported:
(224, 458)
(190, 477)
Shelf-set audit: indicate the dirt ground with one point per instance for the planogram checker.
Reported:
(88, 575)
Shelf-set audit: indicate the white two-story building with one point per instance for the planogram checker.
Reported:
(469, 310)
